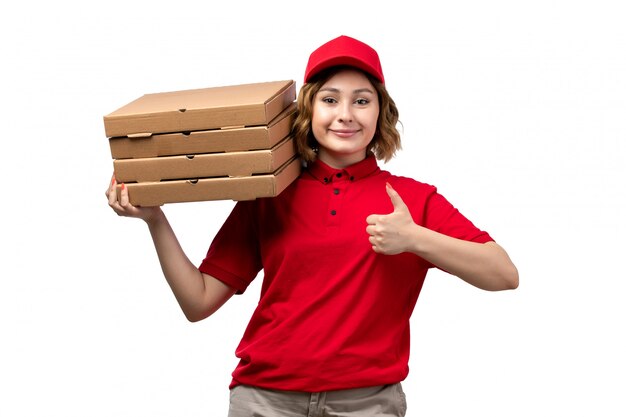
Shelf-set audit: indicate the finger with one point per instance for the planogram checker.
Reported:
(371, 230)
(396, 200)
(111, 193)
(124, 200)
(372, 219)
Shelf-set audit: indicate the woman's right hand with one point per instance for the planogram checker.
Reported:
(123, 207)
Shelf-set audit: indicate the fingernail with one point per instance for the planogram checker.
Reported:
(123, 186)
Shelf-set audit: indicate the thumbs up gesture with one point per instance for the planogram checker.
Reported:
(392, 233)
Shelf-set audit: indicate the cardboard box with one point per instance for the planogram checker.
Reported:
(230, 164)
(201, 109)
(206, 141)
(241, 188)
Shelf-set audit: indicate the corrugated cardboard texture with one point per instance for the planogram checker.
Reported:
(206, 141)
(202, 109)
(231, 164)
(243, 188)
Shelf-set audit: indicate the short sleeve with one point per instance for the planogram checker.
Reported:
(234, 255)
(441, 216)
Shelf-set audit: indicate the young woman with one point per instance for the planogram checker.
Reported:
(344, 251)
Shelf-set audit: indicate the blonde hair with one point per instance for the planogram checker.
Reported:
(386, 140)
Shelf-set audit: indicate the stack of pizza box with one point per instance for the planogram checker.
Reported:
(219, 143)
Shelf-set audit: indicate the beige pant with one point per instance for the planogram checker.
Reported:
(380, 401)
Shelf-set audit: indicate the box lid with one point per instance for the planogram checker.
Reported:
(240, 188)
(201, 109)
(205, 141)
(231, 164)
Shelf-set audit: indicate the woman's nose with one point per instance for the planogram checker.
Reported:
(345, 112)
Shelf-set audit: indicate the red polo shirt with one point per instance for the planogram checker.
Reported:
(332, 314)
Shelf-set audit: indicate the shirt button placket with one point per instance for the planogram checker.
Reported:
(336, 199)
(333, 206)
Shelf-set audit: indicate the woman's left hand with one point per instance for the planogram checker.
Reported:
(392, 233)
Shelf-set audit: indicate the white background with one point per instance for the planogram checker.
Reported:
(515, 110)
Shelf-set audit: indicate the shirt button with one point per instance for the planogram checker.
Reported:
(339, 174)
(351, 178)
(325, 179)
(333, 212)
(336, 191)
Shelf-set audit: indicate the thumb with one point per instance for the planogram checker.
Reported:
(396, 200)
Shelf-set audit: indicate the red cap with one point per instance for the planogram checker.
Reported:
(344, 50)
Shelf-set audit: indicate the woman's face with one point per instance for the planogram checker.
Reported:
(345, 114)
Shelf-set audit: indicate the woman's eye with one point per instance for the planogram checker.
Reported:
(329, 100)
(362, 101)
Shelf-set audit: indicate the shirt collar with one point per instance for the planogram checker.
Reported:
(326, 174)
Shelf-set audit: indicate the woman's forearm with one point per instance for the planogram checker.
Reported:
(486, 266)
(198, 294)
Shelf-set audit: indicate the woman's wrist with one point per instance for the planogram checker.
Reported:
(155, 217)
(415, 239)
